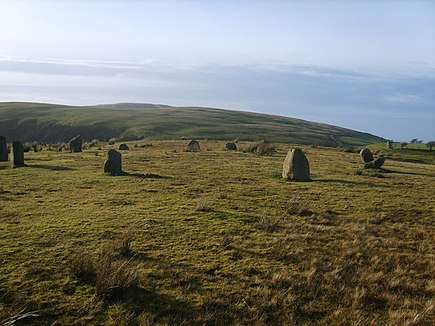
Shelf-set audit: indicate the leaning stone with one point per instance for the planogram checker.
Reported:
(366, 155)
(231, 146)
(3, 149)
(75, 144)
(296, 166)
(193, 146)
(123, 147)
(379, 162)
(113, 164)
(17, 154)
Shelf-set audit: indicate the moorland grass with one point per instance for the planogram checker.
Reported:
(54, 123)
(346, 248)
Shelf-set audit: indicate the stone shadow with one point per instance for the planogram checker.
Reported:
(50, 167)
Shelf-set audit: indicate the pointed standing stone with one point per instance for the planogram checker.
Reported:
(17, 154)
(75, 144)
(296, 166)
(193, 146)
(3, 150)
(113, 163)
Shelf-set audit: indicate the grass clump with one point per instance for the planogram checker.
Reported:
(119, 247)
(299, 208)
(112, 274)
(204, 205)
(115, 278)
(82, 267)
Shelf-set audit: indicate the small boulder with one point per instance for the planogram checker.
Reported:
(366, 155)
(231, 146)
(75, 144)
(123, 147)
(193, 146)
(17, 154)
(113, 164)
(296, 166)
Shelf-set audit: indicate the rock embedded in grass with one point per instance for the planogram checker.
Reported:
(17, 154)
(193, 146)
(113, 164)
(296, 166)
(366, 155)
(124, 147)
(75, 144)
(3, 149)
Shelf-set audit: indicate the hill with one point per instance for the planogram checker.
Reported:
(130, 121)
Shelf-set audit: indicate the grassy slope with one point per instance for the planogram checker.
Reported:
(45, 122)
(363, 255)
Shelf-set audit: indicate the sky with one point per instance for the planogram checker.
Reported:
(364, 65)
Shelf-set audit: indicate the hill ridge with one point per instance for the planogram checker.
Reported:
(28, 121)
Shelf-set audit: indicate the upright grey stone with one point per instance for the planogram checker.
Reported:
(390, 144)
(3, 149)
(296, 166)
(113, 163)
(17, 154)
(123, 147)
(366, 155)
(193, 146)
(75, 144)
(231, 146)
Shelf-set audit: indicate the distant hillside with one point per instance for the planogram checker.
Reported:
(53, 123)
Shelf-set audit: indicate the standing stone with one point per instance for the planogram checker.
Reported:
(296, 166)
(113, 163)
(390, 144)
(3, 149)
(193, 146)
(123, 147)
(366, 155)
(75, 144)
(231, 146)
(17, 154)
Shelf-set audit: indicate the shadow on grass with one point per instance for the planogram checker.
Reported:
(142, 175)
(50, 167)
(141, 300)
(348, 182)
(406, 172)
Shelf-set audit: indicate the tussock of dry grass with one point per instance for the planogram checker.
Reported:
(82, 266)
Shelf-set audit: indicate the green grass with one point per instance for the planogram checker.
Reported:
(53, 123)
(346, 248)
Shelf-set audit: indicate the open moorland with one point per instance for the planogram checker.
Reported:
(133, 121)
(216, 238)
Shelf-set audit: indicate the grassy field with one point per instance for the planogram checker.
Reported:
(217, 238)
(53, 123)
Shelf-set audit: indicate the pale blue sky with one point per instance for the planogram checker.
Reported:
(366, 65)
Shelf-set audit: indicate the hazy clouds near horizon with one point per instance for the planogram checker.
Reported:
(364, 65)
